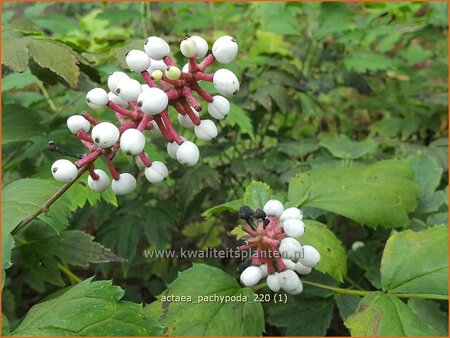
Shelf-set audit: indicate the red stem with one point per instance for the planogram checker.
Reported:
(170, 127)
(179, 108)
(168, 61)
(207, 61)
(204, 77)
(187, 92)
(126, 126)
(144, 158)
(92, 120)
(131, 114)
(148, 79)
(82, 135)
(163, 128)
(146, 118)
(194, 118)
(173, 94)
(112, 169)
(247, 229)
(120, 118)
(193, 67)
(88, 158)
(203, 93)
(92, 173)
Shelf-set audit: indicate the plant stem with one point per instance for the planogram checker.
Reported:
(73, 278)
(44, 91)
(48, 204)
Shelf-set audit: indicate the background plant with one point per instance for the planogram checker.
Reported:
(342, 111)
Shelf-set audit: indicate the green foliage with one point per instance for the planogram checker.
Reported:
(241, 316)
(380, 314)
(88, 309)
(342, 110)
(422, 270)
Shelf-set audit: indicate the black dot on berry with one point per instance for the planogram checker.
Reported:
(118, 90)
(140, 103)
(87, 100)
(145, 43)
(128, 153)
(55, 169)
(110, 74)
(97, 140)
(126, 54)
(234, 40)
(237, 91)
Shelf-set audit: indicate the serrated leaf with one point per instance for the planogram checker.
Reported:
(121, 234)
(345, 148)
(19, 123)
(416, 262)
(302, 317)
(257, 194)
(18, 81)
(56, 57)
(333, 259)
(14, 51)
(242, 317)
(299, 189)
(363, 61)
(239, 117)
(229, 206)
(380, 314)
(347, 304)
(428, 311)
(20, 199)
(88, 309)
(379, 194)
(157, 227)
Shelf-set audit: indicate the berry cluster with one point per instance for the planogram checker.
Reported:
(276, 254)
(139, 107)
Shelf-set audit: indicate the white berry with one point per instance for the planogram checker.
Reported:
(186, 121)
(117, 100)
(153, 101)
(105, 134)
(251, 276)
(172, 148)
(157, 172)
(132, 141)
(273, 208)
(291, 213)
(273, 282)
(188, 154)
(290, 248)
(100, 184)
(157, 75)
(157, 65)
(225, 49)
(289, 281)
(302, 269)
(294, 227)
(64, 171)
(206, 130)
(202, 46)
(188, 48)
(225, 82)
(310, 256)
(219, 107)
(128, 90)
(264, 270)
(114, 79)
(298, 290)
(173, 73)
(289, 264)
(185, 68)
(155, 129)
(137, 60)
(156, 48)
(75, 123)
(124, 185)
(97, 98)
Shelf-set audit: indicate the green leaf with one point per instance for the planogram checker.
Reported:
(363, 61)
(239, 117)
(299, 189)
(14, 51)
(20, 199)
(20, 124)
(345, 148)
(347, 304)
(206, 234)
(381, 314)
(18, 81)
(428, 175)
(157, 227)
(368, 258)
(196, 316)
(428, 311)
(302, 317)
(88, 309)
(257, 194)
(416, 262)
(334, 18)
(56, 57)
(121, 234)
(333, 260)
(379, 194)
(278, 18)
(229, 206)
(6, 328)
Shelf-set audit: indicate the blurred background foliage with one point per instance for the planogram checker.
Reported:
(322, 85)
